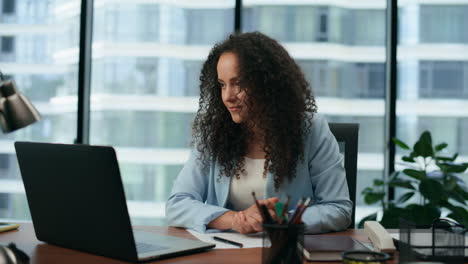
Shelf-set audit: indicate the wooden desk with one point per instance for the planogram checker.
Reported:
(42, 253)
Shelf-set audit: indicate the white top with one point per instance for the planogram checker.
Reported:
(240, 192)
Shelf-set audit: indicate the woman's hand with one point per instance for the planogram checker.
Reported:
(250, 220)
(241, 225)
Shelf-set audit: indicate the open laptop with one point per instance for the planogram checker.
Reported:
(77, 200)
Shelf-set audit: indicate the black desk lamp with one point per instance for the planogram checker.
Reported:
(15, 112)
(15, 109)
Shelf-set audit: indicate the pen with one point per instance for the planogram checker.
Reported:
(285, 207)
(266, 215)
(296, 210)
(259, 207)
(279, 210)
(234, 243)
(298, 218)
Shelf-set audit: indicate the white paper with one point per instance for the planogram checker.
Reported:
(248, 241)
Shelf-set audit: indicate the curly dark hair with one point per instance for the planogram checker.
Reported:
(278, 95)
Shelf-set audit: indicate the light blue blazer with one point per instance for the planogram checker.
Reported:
(199, 195)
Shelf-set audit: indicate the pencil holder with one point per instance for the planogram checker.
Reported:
(282, 243)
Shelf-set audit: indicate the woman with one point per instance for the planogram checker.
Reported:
(256, 129)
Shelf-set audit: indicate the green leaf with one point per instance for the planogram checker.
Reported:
(373, 197)
(450, 184)
(440, 158)
(378, 182)
(394, 175)
(455, 168)
(449, 160)
(426, 138)
(460, 219)
(405, 197)
(391, 217)
(400, 143)
(408, 159)
(461, 191)
(367, 190)
(459, 214)
(371, 217)
(401, 183)
(457, 197)
(432, 190)
(423, 215)
(423, 147)
(440, 147)
(417, 174)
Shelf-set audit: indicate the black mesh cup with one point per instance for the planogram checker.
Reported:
(282, 243)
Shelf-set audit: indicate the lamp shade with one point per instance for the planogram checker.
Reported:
(15, 109)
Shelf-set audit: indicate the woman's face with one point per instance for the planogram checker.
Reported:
(233, 97)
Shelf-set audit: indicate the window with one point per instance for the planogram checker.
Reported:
(146, 64)
(462, 139)
(202, 30)
(271, 20)
(433, 79)
(323, 24)
(9, 6)
(8, 44)
(366, 27)
(347, 82)
(443, 79)
(47, 76)
(443, 23)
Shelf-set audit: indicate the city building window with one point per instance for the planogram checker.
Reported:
(8, 6)
(4, 202)
(443, 23)
(305, 19)
(7, 43)
(365, 27)
(323, 24)
(462, 138)
(202, 30)
(445, 79)
(349, 80)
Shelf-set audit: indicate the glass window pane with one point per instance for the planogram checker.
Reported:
(341, 50)
(443, 23)
(147, 58)
(39, 52)
(433, 75)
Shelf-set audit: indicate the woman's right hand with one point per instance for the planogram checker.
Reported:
(250, 220)
(241, 225)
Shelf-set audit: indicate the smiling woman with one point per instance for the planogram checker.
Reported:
(257, 129)
(234, 98)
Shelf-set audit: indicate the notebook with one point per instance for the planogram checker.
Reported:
(77, 200)
(329, 247)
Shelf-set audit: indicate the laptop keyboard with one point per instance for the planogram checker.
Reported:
(144, 247)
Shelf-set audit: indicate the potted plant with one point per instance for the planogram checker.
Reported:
(430, 178)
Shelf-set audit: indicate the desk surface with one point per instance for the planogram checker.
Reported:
(40, 252)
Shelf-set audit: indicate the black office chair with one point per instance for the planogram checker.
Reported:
(347, 136)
